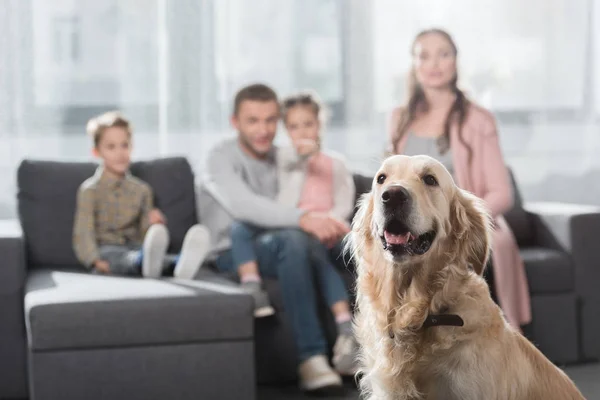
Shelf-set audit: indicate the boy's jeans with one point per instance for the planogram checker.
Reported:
(293, 258)
(126, 260)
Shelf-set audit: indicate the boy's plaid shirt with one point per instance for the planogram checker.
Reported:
(110, 211)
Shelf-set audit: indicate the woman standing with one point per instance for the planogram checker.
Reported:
(439, 121)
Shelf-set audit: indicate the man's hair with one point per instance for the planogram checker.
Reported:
(97, 125)
(255, 92)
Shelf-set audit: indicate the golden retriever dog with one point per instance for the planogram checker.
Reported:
(425, 321)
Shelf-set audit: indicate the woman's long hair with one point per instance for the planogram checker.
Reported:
(417, 103)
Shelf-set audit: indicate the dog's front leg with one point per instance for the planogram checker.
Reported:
(411, 315)
(413, 310)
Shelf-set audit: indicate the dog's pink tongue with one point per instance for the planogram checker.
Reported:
(391, 238)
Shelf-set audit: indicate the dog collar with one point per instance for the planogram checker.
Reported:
(438, 320)
(443, 320)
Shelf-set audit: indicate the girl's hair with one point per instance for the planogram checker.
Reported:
(306, 99)
(417, 103)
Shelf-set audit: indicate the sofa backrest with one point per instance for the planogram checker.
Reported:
(362, 185)
(517, 218)
(47, 193)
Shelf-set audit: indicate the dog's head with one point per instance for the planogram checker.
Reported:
(415, 212)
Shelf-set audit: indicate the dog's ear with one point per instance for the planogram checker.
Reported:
(362, 223)
(471, 226)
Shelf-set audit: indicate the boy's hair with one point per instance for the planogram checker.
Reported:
(305, 98)
(255, 92)
(97, 125)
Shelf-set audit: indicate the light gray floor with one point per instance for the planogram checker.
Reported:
(586, 377)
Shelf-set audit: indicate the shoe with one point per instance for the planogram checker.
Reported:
(154, 250)
(196, 245)
(262, 304)
(344, 355)
(316, 374)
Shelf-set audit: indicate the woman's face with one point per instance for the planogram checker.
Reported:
(434, 61)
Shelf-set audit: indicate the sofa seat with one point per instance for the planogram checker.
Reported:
(106, 337)
(74, 310)
(548, 270)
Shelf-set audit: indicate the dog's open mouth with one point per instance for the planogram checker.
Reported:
(398, 240)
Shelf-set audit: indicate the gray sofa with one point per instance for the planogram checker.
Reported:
(69, 335)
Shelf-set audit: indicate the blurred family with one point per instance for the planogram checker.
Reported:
(283, 212)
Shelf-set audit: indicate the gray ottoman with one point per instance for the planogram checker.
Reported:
(98, 337)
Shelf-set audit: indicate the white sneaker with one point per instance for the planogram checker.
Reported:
(316, 373)
(196, 245)
(154, 250)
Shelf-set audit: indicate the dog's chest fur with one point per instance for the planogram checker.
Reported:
(424, 369)
(446, 377)
(416, 363)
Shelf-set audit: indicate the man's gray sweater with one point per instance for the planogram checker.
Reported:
(236, 187)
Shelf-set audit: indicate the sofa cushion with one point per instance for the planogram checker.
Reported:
(46, 202)
(172, 181)
(548, 270)
(517, 218)
(47, 192)
(71, 310)
(362, 185)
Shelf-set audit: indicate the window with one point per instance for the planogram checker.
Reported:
(174, 66)
(67, 40)
(514, 56)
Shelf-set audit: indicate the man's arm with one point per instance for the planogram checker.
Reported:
(233, 193)
(84, 230)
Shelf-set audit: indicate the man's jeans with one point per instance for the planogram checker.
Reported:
(292, 257)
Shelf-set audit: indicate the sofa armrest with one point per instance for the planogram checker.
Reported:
(12, 257)
(574, 229)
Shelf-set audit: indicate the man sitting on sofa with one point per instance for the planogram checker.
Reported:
(240, 185)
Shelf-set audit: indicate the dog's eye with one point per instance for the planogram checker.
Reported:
(381, 178)
(430, 180)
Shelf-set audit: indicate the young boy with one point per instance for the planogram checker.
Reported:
(117, 229)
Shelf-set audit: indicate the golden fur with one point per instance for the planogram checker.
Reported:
(483, 360)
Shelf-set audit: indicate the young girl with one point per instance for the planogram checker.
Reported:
(316, 181)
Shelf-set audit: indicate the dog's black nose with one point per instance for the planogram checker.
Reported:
(395, 196)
